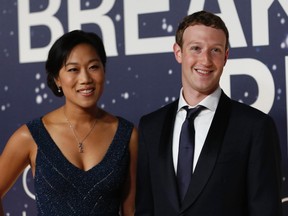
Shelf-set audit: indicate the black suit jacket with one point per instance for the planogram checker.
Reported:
(238, 172)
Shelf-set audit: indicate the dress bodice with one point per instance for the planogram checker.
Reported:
(63, 189)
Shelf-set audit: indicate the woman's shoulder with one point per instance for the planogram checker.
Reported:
(21, 141)
(53, 116)
(118, 121)
(22, 133)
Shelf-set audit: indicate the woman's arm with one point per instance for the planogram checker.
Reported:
(15, 157)
(128, 203)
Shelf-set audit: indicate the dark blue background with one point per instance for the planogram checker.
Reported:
(135, 84)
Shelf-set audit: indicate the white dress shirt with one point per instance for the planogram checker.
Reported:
(202, 124)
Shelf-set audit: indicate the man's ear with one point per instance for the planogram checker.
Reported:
(226, 56)
(177, 53)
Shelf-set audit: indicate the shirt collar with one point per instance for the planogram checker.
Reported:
(210, 102)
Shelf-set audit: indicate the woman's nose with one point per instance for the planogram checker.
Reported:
(85, 76)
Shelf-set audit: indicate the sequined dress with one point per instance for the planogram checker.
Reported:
(63, 189)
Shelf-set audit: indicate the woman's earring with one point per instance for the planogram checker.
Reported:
(59, 89)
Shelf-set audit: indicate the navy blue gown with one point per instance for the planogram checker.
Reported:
(63, 189)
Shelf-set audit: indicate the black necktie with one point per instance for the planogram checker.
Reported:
(186, 151)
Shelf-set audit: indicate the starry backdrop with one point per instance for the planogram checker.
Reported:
(135, 84)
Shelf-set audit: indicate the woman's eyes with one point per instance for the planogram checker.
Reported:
(91, 68)
(72, 69)
(94, 67)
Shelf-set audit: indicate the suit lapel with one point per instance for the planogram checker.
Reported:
(209, 153)
(166, 158)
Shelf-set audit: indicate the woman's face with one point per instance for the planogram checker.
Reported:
(82, 77)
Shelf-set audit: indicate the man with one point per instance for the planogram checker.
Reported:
(236, 161)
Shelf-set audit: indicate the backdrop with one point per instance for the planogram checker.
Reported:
(142, 74)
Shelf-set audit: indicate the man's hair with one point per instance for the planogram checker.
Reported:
(201, 18)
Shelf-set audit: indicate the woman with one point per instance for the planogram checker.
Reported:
(83, 159)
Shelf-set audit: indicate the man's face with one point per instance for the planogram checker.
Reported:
(203, 56)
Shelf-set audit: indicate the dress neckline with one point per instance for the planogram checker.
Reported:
(60, 156)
